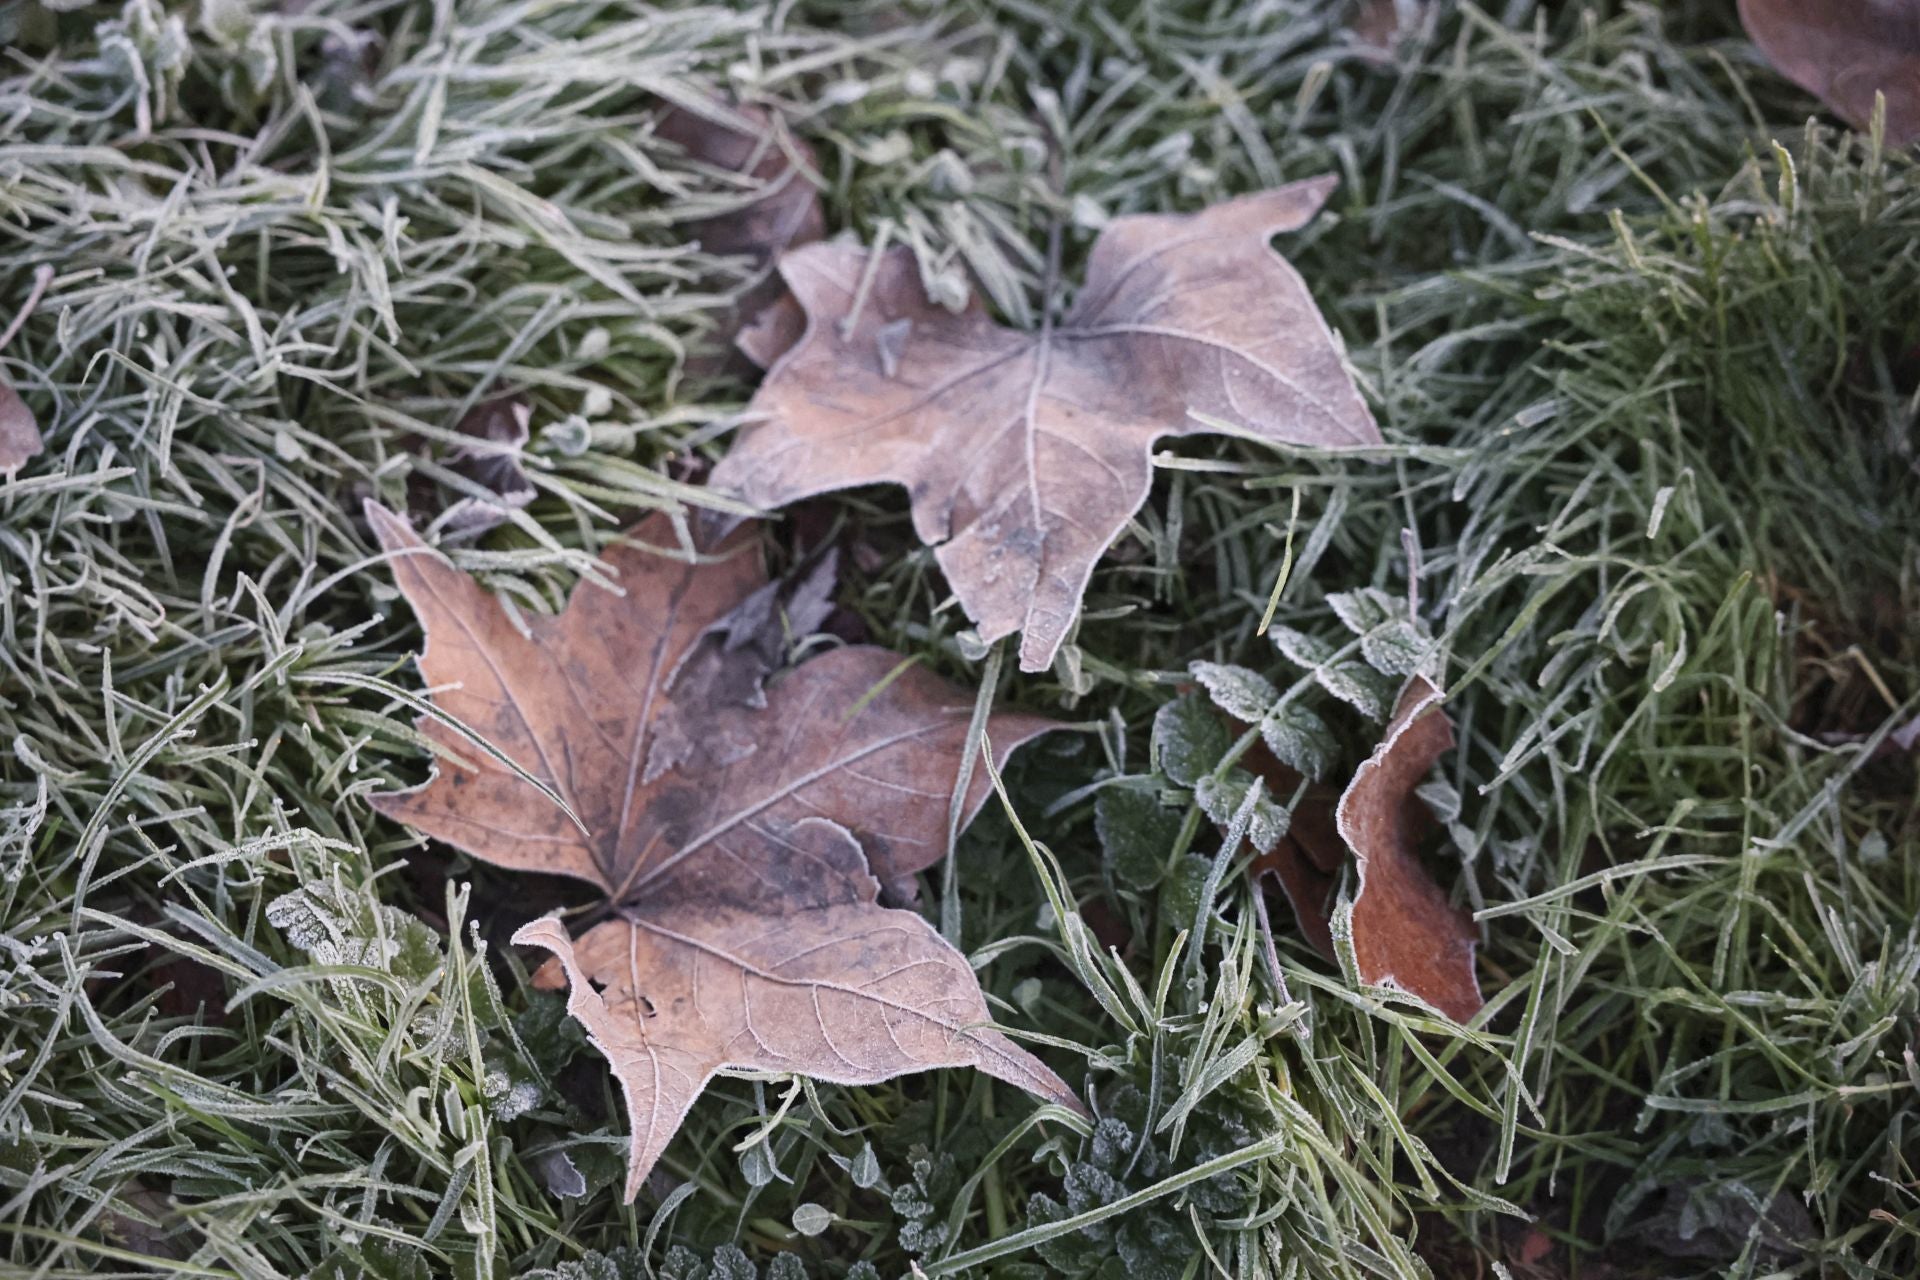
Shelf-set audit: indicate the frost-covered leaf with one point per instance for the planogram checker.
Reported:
(757, 1167)
(681, 1263)
(548, 1032)
(1180, 891)
(1188, 739)
(510, 1087)
(866, 1168)
(786, 1266)
(379, 1257)
(1220, 799)
(1363, 610)
(1112, 1144)
(1026, 453)
(1154, 1245)
(743, 867)
(336, 926)
(1245, 695)
(1354, 683)
(562, 1175)
(1359, 686)
(1073, 1253)
(922, 1202)
(1392, 640)
(1396, 649)
(730, 1262)
(1090, 1187)
(1299, 739)
(1136, 831)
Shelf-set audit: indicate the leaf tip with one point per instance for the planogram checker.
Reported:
(392, 529)
(1315, 191)
(1001, 1058)
(545, 932)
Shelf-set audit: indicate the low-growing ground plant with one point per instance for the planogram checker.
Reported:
(1635, 318)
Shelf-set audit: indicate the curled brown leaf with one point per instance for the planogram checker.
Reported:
(1405, 932)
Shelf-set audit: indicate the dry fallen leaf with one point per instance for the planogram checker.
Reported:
(1405, 932)
(19, 431)
(144, 1220)
(730, 667)
(783, 210)
(773, 330)
(746, 931)
(1026, 453)
(1378, 26)
(1306, 861)
(1843, 52)
(498, 428)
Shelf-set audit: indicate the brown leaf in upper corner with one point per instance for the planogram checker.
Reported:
(781, 210)
(743, 865)
(1026, 453)
(19, 430)
(1405, 932)
(1843, 52)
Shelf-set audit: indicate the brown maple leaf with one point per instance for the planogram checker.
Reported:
(747, 931)
(1026, 453)
(781, 210)
(1405, 932)
(1845, 51)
